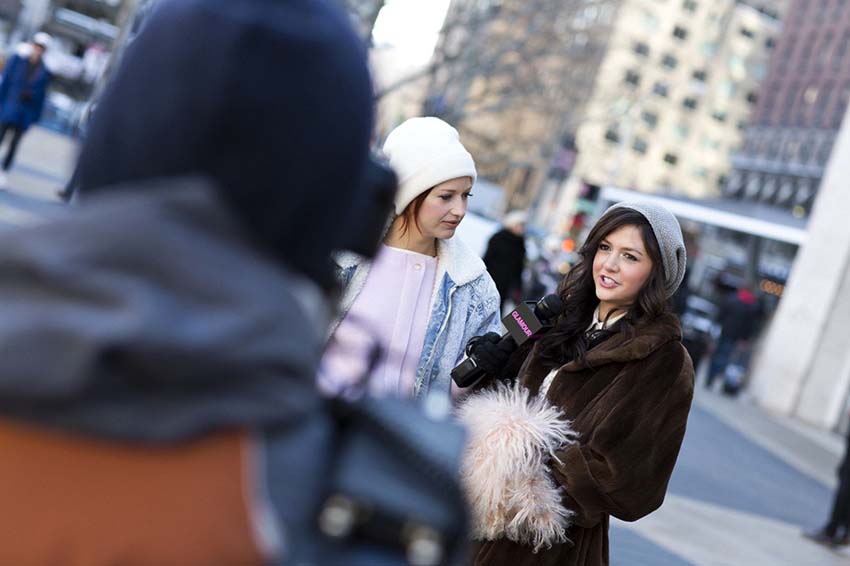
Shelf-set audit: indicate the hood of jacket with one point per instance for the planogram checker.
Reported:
(149, 315)
(272, 100)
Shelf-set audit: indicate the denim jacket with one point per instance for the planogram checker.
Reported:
(464, 304)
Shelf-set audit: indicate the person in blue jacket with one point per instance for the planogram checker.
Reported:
(22, 93)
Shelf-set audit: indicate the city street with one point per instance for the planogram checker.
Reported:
(745, 486)
(43, 165)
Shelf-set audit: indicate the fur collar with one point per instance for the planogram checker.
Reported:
(453, 257)
(622, 347)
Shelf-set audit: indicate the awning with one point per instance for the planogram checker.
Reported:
(740, 216)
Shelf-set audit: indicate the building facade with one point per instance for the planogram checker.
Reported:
(514, 76)
(800, 108)
(650, 94)
(803, 367)
(673, 97)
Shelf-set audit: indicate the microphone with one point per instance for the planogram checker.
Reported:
(526, 322)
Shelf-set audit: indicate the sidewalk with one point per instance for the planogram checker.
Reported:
(43, 165)
(813, 452)
(746, 485)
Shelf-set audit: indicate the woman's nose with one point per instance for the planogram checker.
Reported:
(612, 262)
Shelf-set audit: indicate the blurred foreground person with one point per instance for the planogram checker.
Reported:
(505, 256)
(157, 387)
(23, 91)
(426, 294)
(593, 427)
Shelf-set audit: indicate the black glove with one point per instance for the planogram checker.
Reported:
(490, 352)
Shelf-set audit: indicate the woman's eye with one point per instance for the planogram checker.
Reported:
(604, 247)
(467, 195)
(630, 257)
(446, 197)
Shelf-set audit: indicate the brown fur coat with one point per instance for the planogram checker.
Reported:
(627, 412)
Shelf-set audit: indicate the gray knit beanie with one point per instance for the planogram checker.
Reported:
(669, 235)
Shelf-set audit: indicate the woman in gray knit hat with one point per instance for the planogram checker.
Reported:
(591, 427)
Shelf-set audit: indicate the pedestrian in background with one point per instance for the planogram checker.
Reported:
(22, 94)
(426, 294)
(836, 532)
(505, 257)
(161, 340)
(739, 319)
(594, 425)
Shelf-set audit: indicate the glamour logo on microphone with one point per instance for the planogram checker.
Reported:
(523, 326)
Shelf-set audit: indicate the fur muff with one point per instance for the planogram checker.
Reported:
(505, 471)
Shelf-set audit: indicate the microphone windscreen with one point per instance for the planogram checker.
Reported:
(549, 307)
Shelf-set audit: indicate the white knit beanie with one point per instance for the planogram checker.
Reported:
(425, 152)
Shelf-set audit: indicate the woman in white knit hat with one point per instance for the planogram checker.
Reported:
(426, 294)
(592, 429)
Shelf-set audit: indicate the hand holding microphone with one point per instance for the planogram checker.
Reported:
(489, 353)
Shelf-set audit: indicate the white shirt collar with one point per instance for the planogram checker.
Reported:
(599, 324)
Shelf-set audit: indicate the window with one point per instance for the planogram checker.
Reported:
(752, 97)
(632, 78)
(840, 51)
(747, 32)
(824, 49)
(806, 52)
(671, 158)
(824, 98)
(682, 130)
(805, 151)
(770, 43)
(650, 20)
(680, 33)
(791, 96)
(719, 116)
(639, 146)
(690, 103)
(689, 6)
(660, 89)
(650, 119)
(641, 48)
(612, 136)
(823, 152)
(840, 106)
(787, 52)
(699, 75)
(709, 143)
(669, 61)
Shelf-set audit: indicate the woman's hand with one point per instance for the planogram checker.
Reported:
(490, 352)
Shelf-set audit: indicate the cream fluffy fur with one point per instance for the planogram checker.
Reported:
(505, 470)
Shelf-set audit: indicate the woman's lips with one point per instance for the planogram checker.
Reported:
(607, 282)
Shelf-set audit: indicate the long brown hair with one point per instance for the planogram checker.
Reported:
(567, 341)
